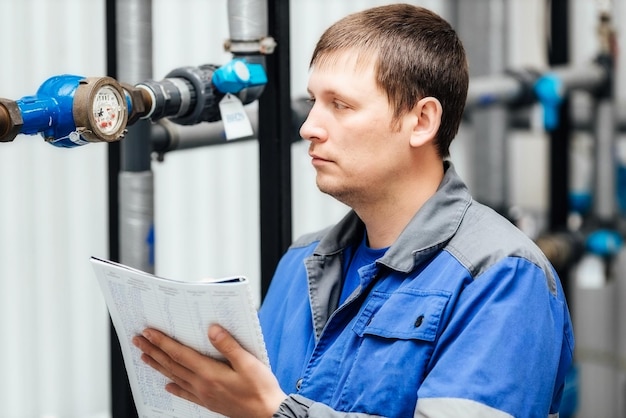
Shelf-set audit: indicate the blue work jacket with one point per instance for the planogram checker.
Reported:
(462, 316)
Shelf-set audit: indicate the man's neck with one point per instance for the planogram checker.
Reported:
(386, 218)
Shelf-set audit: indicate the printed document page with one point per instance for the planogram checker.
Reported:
(183, 310)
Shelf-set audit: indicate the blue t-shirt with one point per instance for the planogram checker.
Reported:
(363, 256)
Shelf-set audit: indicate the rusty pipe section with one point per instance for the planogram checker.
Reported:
(11, 120)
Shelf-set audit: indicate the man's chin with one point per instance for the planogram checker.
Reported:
(338, 193)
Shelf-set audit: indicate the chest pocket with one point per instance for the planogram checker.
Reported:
(406, 314)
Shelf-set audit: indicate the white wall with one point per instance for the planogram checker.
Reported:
(53, 203)
(53, 216)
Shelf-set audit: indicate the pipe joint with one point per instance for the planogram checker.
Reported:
(204, 97)
(265, 46)
(237, 75)
(526, 79)
(604, 89)
(550, 92)
(11, 121)
(138, 101)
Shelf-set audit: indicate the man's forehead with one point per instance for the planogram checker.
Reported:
(352, 60)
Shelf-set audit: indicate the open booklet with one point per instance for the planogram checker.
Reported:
(183, 310)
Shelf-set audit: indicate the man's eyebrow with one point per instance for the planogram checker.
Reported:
(329, 92)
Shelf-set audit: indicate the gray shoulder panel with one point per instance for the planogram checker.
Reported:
(485, 237)
(309, 238)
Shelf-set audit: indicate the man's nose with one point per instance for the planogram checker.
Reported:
(311, 129)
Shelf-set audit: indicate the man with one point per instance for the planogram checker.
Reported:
(421, 301)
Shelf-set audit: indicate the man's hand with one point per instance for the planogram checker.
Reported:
(241, 387)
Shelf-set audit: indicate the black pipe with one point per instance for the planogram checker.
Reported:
(275, 131)
(560, 138)
(122, 404)
(558, 54)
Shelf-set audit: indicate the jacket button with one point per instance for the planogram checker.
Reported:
(419, 321)
(299, 384)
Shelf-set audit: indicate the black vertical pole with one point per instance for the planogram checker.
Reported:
(122, 405)
(560, 137)
(275, 146)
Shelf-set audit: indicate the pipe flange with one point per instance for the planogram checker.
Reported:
(140, 100)
(264, 46)
(527, 78)
(11, 120)
(206, 96)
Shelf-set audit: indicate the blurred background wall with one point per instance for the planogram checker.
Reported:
(53, 202)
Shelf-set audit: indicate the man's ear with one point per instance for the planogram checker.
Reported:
(428, 112)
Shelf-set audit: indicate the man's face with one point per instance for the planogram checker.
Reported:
(358, 154)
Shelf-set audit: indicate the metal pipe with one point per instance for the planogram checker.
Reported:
(275, 147)
(167, 136)
(605, 206)
(586, 77)
(583, 116)
(248, 29)
(247, 20)
(485, 49)
(620, 276)
(485, 91)
(11, 121)
(558, 55)
(516, 87)
(134, 30)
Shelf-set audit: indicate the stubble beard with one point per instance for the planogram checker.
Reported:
(346, 195)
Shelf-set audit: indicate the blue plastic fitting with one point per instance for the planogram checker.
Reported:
(237, 75)
(550, 92)
(604, 242)
(580, 202)
(49, 112)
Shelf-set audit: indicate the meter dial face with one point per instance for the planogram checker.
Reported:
(108, 108)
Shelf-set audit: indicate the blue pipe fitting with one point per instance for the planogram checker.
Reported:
(580, 201)
(49, 112)
(550, 92)
(604, 242)
(237, 75)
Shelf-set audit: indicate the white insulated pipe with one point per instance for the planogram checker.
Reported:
(136, 182)
(247, 20)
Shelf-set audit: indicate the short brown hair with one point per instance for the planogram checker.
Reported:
(418, 54)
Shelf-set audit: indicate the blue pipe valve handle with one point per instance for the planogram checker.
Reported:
(550, 93)
(604, 242)
(237, 75)
(70, 110)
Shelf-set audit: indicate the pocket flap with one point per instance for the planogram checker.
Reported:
(405, 314)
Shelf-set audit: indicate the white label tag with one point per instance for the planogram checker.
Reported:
(235, 118)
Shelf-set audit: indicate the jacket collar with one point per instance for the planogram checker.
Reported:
(429, 230)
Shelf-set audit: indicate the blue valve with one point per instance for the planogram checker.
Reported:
(550, 92)
(237, 75)
(580, 202)
(49, 112)
(604, 242)
(71, 110)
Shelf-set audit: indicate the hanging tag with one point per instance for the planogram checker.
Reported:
(235, 118)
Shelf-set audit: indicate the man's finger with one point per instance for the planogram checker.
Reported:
(176, 390)
(168, 356)
(236, 355)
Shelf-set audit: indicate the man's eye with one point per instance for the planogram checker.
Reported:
(339, 105)
(310, 101)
